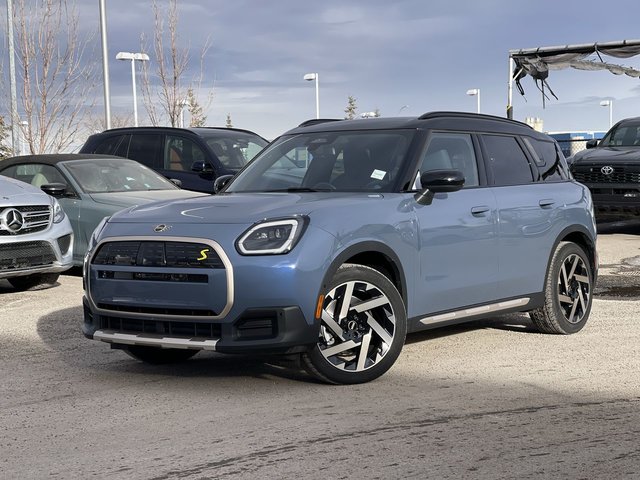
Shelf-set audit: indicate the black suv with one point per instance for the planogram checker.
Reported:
(194, 156)
(611, 170)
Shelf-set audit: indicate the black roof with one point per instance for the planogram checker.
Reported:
(435, 120)
(196, 130)
(53, 159)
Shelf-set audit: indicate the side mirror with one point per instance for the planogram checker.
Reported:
(438, 181)
(54, 189)
(201, 167)
(176, 182)
(592, 143)
(221, 182)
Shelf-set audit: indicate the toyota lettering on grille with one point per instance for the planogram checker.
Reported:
(607, 170)
(12, 220)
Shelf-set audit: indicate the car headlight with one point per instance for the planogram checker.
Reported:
(58, 213)
(272, 237)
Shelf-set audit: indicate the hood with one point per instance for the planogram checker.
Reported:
(13, 192)
(130, 199)
(613, 155)
(239, 208)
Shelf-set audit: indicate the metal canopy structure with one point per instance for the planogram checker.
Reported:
(536, 62)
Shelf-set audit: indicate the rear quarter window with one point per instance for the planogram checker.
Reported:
(549, 159)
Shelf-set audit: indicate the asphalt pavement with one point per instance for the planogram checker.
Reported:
(488, 400)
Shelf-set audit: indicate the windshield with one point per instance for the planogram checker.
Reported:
(622, 135)
(350, 161)
(115, 175)
(234, 149)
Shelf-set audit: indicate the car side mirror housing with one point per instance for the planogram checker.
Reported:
(176, 182)
(593, 143)
(54, 189)
(221, 182)
(438, 181)
(201, 167)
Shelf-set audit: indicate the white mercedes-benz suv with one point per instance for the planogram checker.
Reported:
(36, 239)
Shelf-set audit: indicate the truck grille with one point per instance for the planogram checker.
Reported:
(596, 176)
(158, 254)
(35, 219)
(16, 256)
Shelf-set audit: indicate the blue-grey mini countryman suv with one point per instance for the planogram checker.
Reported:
(343, 236)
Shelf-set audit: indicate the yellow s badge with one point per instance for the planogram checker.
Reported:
(203, 254)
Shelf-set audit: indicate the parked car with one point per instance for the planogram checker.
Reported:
(611, 170)
(195, 156)
(392, 225)
(36, 239)
(91, 187)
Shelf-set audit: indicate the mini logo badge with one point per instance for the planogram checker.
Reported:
(161, 228)
(13, 220)
(607, 170)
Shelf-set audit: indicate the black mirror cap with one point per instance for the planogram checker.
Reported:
(176, 182)
(442, 181)
(593, 143)
(54, 189)
(201, 167)
(221, 182)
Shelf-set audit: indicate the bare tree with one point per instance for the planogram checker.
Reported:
(171, 64)
(56, 78)
(96, 123)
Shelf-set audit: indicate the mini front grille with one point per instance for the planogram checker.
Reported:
(36, 218)
(15, 256)
(158, 254)
(159, 327)
(185, 312)
(596, 176)
(154, 276)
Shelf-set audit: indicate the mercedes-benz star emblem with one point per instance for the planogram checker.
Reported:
(607, 170)
(161, 228)
(13, 220)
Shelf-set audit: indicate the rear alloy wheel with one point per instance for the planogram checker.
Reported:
(159, 356)
(362, 330)
(568, 292)
(40, 280)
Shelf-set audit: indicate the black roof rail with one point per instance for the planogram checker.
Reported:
(316, 121)
(429, 115)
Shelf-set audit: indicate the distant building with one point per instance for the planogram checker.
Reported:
(573, 142)
(535, 123)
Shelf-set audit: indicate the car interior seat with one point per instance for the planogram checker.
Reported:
(38, 180)
(358, 167)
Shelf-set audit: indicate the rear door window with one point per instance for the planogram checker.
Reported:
(109, 145)
(146, 149)
(548, 158)
(507, 162)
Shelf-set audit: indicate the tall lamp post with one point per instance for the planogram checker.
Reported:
(608, 103)
(141, 57)
(314, 76)
(475, 92)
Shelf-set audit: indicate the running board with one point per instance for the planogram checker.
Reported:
(471, 312)
(110, 336)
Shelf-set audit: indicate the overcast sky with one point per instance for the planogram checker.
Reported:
(388, 54)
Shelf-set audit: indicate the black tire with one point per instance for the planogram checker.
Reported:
(358, 346)
(159, 356)
(39, 280)
(568, 292)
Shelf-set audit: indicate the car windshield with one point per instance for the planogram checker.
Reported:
(622, 135)
(234, 149)
(360, 161)
(115, 175)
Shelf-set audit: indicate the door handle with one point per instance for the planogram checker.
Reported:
(546, 202)
(480, 210)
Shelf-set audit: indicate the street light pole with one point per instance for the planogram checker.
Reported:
(15, 147)
(608, 103)
(475, 92)
(314, 76)
(105, 65)
(142, 57)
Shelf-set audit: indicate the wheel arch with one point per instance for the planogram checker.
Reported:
(579, 235)
(375, 255)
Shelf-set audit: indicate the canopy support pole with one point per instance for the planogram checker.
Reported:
(510, 90)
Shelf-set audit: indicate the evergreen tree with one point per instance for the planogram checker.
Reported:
(351, 109)
(5, 150)
(229, 124)
(198, 119)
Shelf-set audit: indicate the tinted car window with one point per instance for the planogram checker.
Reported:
(146, 148)
(180, 153)
(235, 149)
(548, 159)
(451, 151)
(109, 145)
(622, 135)
(37, 174)
(507, 161)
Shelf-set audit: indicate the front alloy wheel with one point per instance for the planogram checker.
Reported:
(362, 330)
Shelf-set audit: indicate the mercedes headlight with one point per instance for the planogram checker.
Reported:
(58, 213)
(272, 237)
